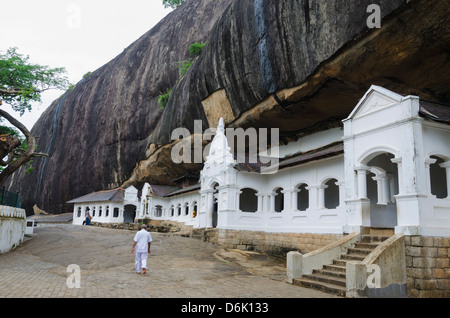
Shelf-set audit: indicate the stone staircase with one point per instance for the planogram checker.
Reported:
(331, 278)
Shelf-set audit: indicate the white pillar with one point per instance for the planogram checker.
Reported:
(266, 203)
(398, 161)
(272, 201)
(341, 186)
(313, 194)
(287, 197)
(294, 199)
(385, 188)
(260, 207)
(382, 188)
(446, 165)
(321, 196)
(428, 162)
(362, 181)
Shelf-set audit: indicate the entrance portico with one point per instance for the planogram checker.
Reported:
(386, 166)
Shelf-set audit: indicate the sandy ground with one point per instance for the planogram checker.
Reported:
(178, 267)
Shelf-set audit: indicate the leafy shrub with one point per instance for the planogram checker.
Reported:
(163, 98)
(183, 66)
(195, 49)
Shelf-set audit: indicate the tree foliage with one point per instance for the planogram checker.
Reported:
(172, 3)
(22, 83)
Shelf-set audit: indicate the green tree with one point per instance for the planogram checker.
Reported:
(22, 83)
(172, 3)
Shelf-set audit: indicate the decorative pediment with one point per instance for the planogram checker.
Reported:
(131, 194)
(375, 99)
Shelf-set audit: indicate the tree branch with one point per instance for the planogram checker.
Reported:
(26, 156)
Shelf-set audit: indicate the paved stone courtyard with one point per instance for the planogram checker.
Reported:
(179, 267)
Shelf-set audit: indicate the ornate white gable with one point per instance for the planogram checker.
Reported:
(131, 194)
(375, 99)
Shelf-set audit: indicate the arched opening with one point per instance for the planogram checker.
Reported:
(302, 197)
(186, 209)
(172, 211)
(331, 194)
(107, 211)
(438, 179)
(179, 209)
(194, 209)
(215, 211)
(382, 185)
(129, 213)
(79, 212)
(279, 200)
(158, 211)
(248, 201)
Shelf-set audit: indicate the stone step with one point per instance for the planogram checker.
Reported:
(326, 279)
(381, 231)
(322, 286)
(352, 257)
(332, 278)
(331, 273)
(366, 238)
(334, 268)
(359, 251)
(370, 246)
(340, 262)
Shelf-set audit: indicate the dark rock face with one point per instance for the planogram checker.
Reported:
(302, 66)
(96, 134)
(297, 65)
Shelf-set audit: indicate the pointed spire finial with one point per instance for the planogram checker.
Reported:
(221, 126)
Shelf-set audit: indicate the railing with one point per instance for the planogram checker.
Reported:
(9, 198)
(12, 212)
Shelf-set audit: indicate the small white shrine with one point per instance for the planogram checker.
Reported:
(388, 167)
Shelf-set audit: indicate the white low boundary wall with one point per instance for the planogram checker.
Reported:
(12, 227)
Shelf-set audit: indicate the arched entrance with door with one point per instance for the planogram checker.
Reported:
(129, 213)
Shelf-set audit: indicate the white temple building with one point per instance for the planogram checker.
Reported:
(388, 166)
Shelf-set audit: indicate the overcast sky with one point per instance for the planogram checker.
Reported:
(80, 35)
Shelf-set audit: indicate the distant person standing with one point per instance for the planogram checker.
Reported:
(142, 242)
(87, 221)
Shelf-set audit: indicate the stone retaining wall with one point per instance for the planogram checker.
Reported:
(153, 226)
(427, 266)
(277, 243)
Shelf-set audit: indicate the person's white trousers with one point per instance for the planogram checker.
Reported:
(140, 261)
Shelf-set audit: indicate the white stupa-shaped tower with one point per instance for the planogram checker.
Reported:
(219, 152)
(218, 183)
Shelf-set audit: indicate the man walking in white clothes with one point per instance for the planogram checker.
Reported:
(142, 242)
